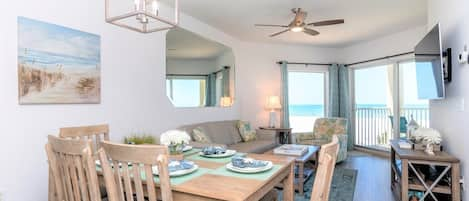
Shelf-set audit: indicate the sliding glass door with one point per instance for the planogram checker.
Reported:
(380, 92)
(307, 98)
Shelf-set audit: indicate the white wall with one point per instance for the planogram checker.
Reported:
(191, 66)
(392, 44)
(447, 115)
(133, 90)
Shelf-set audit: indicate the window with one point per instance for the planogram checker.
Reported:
(307, 98)
(186, 92)
(381, 92)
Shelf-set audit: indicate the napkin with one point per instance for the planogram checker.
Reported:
(244, 162)
(175, 165)
(213, 150)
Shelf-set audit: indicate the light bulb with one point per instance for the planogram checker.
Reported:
(297, 29)
(155, 7)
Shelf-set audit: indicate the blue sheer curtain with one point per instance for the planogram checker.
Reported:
(339, 96)
(211, 90)
(226, 81)
(285, 113)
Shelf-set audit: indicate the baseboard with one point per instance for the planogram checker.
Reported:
(381, 153)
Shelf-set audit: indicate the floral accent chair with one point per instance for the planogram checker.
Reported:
(324, 129)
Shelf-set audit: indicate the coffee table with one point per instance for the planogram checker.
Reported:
(303, 173)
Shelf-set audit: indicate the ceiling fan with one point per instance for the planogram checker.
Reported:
(298, 24)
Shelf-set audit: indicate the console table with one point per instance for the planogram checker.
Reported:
(404, 159)
(283, 134)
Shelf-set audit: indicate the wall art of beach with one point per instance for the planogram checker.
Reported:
(57, 65)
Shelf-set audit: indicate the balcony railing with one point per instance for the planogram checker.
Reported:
(373, 126)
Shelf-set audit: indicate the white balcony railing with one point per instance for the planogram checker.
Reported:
(373, 126)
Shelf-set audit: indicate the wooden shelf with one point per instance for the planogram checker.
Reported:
(436, 189)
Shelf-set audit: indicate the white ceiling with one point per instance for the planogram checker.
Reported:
(364, 19)
(183, 44)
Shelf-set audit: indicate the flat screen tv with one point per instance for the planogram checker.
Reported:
(429, 66)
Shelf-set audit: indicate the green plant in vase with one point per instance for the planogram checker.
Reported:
(176, 140)
(139, 139)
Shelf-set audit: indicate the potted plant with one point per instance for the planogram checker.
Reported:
(139, 139)
(175, 140)
(429, 137)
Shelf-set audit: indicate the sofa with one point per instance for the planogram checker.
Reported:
(226, 133)
(324, 129)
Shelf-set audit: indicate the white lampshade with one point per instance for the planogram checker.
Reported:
(273, 103)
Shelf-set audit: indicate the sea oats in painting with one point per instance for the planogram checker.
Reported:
(57, 64)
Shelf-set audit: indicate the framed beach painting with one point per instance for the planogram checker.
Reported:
(57, 65)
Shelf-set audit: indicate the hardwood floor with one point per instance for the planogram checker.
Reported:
(373, 180)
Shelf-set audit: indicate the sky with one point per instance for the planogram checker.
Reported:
(186, 92)
(306, 88)
(371, 85)
(42, 36)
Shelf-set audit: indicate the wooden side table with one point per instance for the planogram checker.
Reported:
(283, 134)
(403, 166)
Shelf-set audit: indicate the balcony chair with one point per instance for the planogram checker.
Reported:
(324, 130)
(402, 124)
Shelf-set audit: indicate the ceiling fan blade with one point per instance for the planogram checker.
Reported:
(278, 33)
(310, 32)
(270, 25)
(327, 22)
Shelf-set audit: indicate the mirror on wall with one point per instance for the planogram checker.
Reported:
(199, 71)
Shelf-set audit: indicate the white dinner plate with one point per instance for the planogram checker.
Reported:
(228, 153)
(249, 170)
(187, 148)
(177, 173)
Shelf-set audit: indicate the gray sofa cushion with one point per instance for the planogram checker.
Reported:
(258, 146)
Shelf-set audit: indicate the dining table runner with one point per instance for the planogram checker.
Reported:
(191, 152)
(258, 176)
(215, 160)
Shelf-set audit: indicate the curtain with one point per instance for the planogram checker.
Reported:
(339, 96)
(226, 81)
(211, 99)
(285, 113)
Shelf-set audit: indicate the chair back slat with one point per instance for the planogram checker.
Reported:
(325, 170)
(131, 177)
(95, 133)
(73, 169)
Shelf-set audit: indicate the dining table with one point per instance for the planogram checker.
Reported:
(213, 181)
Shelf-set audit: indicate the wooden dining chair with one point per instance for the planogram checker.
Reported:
(73, 170)
(325, 170)
(135, 167)
(95, 133)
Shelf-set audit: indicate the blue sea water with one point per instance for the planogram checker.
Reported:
(319, 110)
(48, 59)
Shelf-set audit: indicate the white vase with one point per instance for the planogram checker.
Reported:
(429, 149)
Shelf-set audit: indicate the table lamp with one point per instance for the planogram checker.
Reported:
(226, 101)
(273, 103)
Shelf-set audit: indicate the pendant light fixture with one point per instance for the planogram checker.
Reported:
(145, 16)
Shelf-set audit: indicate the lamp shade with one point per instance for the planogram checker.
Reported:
(226, 101)
(273, 102)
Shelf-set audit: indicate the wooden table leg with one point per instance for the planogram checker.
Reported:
(288, 186)
(455, 186)
(405, 180)
(301, 178)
